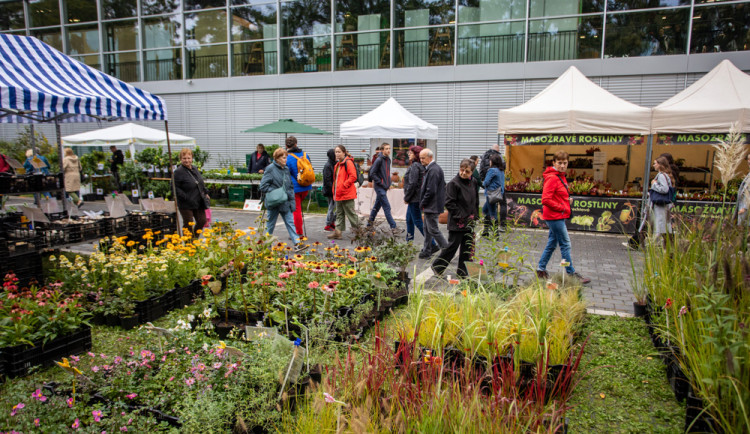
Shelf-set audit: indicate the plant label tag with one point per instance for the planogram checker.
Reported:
(100, 191)
(100, 166)
(151, 195)
(251, 205)
(134, 192)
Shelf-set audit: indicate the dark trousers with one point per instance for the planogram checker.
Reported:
(463, 242)
(116, 175)
(189, 214)
(381, 200)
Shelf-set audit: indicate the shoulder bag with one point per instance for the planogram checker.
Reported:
(495, 196)
(206, 200)
(662, 198)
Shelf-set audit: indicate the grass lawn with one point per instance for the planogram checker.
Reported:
(623, 386)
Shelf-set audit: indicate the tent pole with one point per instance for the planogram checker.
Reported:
(646, 172)
(171, 179)
(60, 160)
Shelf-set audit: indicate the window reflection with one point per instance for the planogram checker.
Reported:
(491, 43)
(119, 9)
(412, 13)
(490, 10)
(11, 16)
(721, 28)
(124, 66)
(203, 4)
(565, 38)
(208, 27)
(622, 5)
(83, 39)
(154, 7)
(207, 62)
(91, 60)
(161, 65)
(306, 55)
(305, 17)
(80, 11)
(51, 37)
(424, 47)
(162, 32)
(44, 13)
(353, 15)
(121, 36)
(550, 8)
(254, 58)
(647, 33)
(363, 51)
(255, 22)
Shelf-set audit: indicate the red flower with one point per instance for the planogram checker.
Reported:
(668, 304)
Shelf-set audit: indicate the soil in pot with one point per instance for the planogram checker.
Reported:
(223, 328)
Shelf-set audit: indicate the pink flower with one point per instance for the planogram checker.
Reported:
(190, 381)
(38, 395)
(481, 262)
(118, 359)
(217, 365)
(683, 311)
(131, 396)
(36, 422)
(283, 275)
(171, 378)
(76, 424)
(97, 415)
(123, 428)
(329, 398)
(95, 368)
(70, 402)
(17, 407)
(313, 285)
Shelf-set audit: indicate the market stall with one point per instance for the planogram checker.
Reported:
(390, 123)
(601, 132)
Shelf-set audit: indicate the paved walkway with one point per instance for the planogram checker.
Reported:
(598, 256)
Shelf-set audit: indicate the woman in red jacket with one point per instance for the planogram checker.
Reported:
(556, 202)
(344, 191)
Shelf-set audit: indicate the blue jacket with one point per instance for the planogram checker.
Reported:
(495, 179)
(274, 177)
(291, 164)
(30, 167)
(380, 173)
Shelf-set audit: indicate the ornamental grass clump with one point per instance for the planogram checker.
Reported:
(729, 154)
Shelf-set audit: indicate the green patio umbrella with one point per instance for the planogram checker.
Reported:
(286, 126)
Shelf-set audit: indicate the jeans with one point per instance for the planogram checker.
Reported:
(273, 213)
(299, 222)
(331, 215)
(558, 234)
(344, 210)
(382, 201)
(489, 210)
(461, 241)
(432, 233)
(413, 219)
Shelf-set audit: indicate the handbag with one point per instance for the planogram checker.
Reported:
(662, 198)
(276, 197)
(495, 196)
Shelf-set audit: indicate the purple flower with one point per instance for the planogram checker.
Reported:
(131, 396)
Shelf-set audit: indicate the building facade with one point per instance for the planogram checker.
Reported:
(227, 65)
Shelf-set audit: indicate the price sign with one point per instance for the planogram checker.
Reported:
(100, 166)
(100, 191)
(151, 195)
(134, 193)
(251, 205)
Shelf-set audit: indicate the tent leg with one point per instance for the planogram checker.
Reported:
(169, 167)
(646, 172)
(60, 160)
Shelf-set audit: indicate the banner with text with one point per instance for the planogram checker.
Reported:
(691, 139)
(573, 139)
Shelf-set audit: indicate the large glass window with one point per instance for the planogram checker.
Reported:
(305, 18)
(208, 27)
(652, 33)
(121, 35)
(161, 65)
(254, 58)
(80, 11)
(254, 22)
(162, 32)
(565, 38)
(721, 28)
(551, 8)
(112, 9)
(622, 5)
(207, 62)
(305, 55)
(363, 51)
(353, 15)
(11, 16)
(124, 66)
(491, 43)
(44, 13)
(471, 11)
(90, 60)
(191, 5)
(424, 47)
(51, 37)
(83, 39)
(413, 13)
(155, 7)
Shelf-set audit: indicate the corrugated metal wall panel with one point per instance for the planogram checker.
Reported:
(627, 88)
(473, 130)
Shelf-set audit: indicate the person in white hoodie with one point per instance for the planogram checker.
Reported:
(72, 174)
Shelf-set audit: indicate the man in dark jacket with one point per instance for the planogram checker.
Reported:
(432, 203)
(484, 166)
(380, 174)
(259, 160)
(328, 190)
(118, 159)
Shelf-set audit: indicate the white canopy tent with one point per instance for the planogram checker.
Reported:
(709, 105)
(575, 104)
(389, 121)
(130, 135)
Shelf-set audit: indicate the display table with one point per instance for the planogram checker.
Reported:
(366, 199)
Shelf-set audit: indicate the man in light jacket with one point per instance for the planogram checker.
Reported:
(432, 203)
(380, 174)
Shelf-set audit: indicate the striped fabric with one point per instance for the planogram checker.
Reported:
(35, 77)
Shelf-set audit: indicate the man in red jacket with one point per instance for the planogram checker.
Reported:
(556, 202)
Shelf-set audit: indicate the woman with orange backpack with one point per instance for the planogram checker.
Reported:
(295, 161)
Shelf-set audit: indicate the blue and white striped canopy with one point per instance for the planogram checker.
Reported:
(41, 82)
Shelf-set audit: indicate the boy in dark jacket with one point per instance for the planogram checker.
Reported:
(328, 190)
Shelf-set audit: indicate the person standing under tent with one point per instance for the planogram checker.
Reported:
(494, 179)
(328, 190)
(294, 154)
(117, 160)
(659, 216)
(192, 197)
(556, 203)
(484, 166)
(259, 160)
(72, 173)
(277, 176)
(432, 203)
(344, 191)
(380, 174)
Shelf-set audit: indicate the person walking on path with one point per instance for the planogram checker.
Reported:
(37, 164)
(192, 197)
(659, 214)
(432, 203)
(259, 160)
(380, 174)
(328, 190)
(344, 191)
(494, 179)
(484, 167)
(300, 193)
(556, 202)
(412, 185)
(277, 176)
(72, 173)
(462, 202)
(117, 160)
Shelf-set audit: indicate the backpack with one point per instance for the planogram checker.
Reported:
(305, 171)
(360, 176)
(369, 172)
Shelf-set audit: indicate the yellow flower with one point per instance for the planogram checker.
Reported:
(359, 249)
(191, 224)
(351, 273)
(65, 364)
(130, 243)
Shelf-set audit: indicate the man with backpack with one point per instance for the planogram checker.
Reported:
(484, 167)
(303, 176)
(380, 175)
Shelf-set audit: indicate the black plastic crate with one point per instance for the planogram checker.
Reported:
(10, 247)
(138, 222)
(93, 229)
(115, 226)
(26, 233)
(5, 182)
(17, 361)
(91, 197)
(26, 267)
(52, 181)
(150, 309)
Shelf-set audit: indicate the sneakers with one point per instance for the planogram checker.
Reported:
(330, 227)
(336, 235)
(397, 231)
(300, 247)
(584, 280)
(542, 274)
